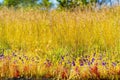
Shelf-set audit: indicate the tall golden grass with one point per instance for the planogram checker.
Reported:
(49, 44)
(78, 31)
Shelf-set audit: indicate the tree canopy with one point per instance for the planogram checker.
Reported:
(74, 3)
(48, 3)
(19, 2)
(45, 3)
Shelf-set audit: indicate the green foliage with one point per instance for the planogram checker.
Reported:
(85, 2)
(74, 3)
(15, 3)
(4, 45)
(69, 3)
(11, 2)
(45, 3)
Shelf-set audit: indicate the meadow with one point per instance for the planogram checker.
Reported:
(59, 44)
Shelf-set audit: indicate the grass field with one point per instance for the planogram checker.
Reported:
(39, 45)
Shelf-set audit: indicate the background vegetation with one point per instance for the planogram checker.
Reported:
(46, 3)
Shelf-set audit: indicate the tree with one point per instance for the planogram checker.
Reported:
(11, 2)
(69, 3)
(45, 3)
(15, 3)
(74, 3)
(29, 2)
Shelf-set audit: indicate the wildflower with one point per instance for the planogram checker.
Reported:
(118, 72)
(93, 59)
(48, 63)
(1, 56)
(26, 69)
(94, 70)
(64, 73)
(89, 63)
(62, 57)
(103, 63)
(73, 63)
(48, 75)
(16, 72)
(77, 70)
(81, 64)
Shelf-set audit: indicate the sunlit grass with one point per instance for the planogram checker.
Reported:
(51, 35)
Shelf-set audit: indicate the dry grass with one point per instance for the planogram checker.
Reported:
(57, 33)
